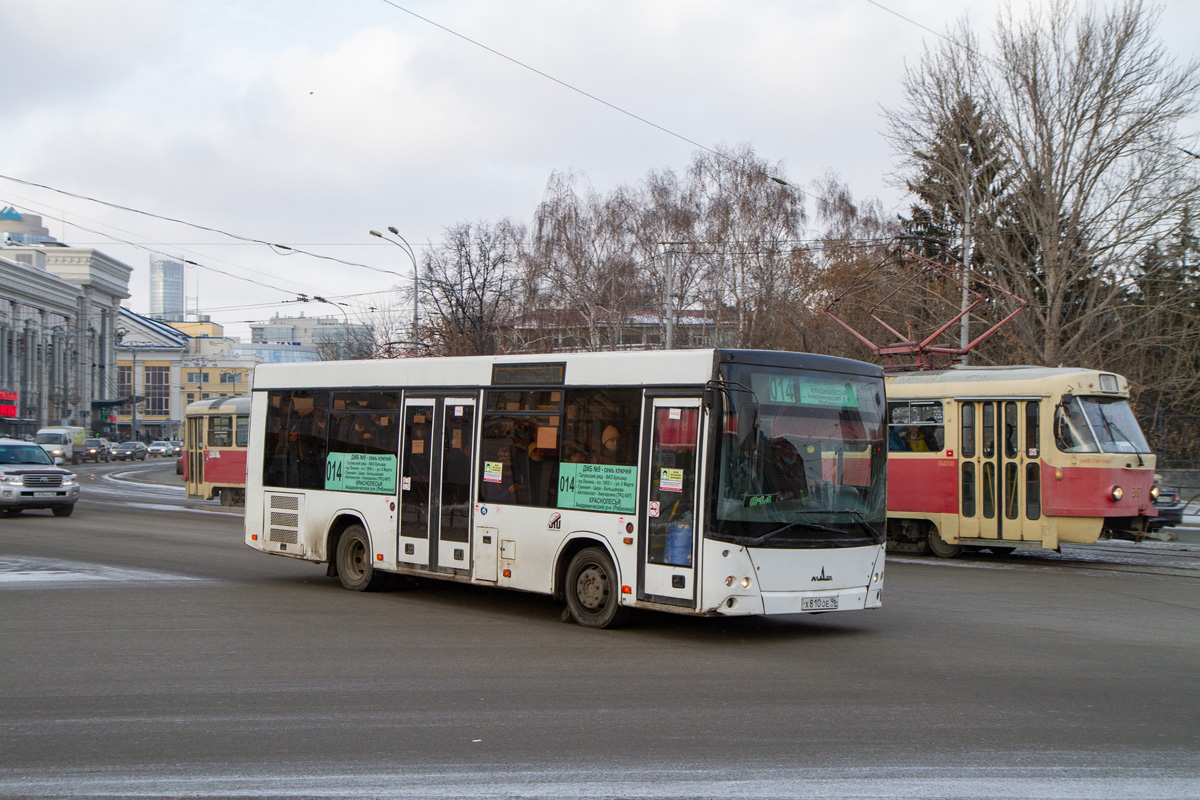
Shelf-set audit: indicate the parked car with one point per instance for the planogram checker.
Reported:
(130, 451)
(1169, 508)
(29, 478)
(159, 449)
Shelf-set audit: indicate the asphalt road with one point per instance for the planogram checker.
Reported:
(148, 653)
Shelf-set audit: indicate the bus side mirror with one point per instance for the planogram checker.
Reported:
(747, 425)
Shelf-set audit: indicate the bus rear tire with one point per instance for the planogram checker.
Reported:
(940, 548)
(354, 561)
(593, 593)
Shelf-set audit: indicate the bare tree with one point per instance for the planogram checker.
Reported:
(747, 227)
(467, 288)
(1085, 105)
(583, 246)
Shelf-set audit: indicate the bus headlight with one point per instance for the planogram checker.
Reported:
(745, 583)
(1117, 493)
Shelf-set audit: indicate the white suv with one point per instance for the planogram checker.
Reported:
(30, 479)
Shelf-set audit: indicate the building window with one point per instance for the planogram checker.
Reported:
(125, 388)
(158, 390)
(197, 377)
(231, 377)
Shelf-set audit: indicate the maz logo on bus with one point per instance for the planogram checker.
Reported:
(822, 576)
(555, 522)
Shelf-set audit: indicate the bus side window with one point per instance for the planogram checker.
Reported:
(520, 446)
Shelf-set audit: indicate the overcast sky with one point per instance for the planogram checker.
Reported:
(309, 122)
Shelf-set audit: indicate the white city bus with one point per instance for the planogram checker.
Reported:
(701, 482)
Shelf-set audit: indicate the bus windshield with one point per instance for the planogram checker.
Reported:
(1097, 425)
(801, 460)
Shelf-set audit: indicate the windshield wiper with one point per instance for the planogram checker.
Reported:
(857, 514)
(1114, 431)
(811, 526)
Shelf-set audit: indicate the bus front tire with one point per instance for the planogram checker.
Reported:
(354, 561)
(593, 593)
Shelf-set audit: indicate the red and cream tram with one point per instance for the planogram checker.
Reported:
(214, 455)
(1008, 457)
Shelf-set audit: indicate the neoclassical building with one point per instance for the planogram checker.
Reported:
(59, 308)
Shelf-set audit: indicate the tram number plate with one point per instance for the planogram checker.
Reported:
(818, 604)
(45, 494)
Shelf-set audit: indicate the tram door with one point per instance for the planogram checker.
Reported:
(194, 437)
(669, 509)
(1000, 470)
(435, 483)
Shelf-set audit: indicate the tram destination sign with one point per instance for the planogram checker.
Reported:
(597, 487)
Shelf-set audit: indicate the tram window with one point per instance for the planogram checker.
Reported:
(1032, 431)
(1010, 430)
(968, 489)
(967, 410)
(220, 431)
(916, 427)
(241, 431)
(989, 489)
(989, 430)
(1011, 489)
(1033, 490)
(601, 426)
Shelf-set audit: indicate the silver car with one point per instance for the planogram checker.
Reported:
(29, 478)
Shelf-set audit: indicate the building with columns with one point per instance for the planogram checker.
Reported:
(58, 322)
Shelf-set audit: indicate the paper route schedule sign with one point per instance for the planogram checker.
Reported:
(597, 487)
(360, 472)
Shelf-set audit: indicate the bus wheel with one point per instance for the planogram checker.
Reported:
(354, 561)
(593, 596)
(940, 548)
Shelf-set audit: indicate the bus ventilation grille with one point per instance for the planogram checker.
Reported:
(283, 518)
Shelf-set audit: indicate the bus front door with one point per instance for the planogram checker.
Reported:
(669, 493)
(435, 483)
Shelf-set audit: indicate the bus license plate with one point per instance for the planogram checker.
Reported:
(818, 604)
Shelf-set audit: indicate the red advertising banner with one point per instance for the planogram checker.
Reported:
(9, 403)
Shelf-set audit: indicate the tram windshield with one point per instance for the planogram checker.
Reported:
(801, 460)
(1097, 425)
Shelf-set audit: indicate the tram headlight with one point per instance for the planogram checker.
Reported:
(1117, 493)
(1155, 492)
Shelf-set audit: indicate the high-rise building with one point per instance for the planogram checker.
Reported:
(166, 289)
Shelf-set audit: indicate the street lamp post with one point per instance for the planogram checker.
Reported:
(408, 251)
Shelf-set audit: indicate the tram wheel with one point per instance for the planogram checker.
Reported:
(354, 561)
(940, 548)
(593, 593)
